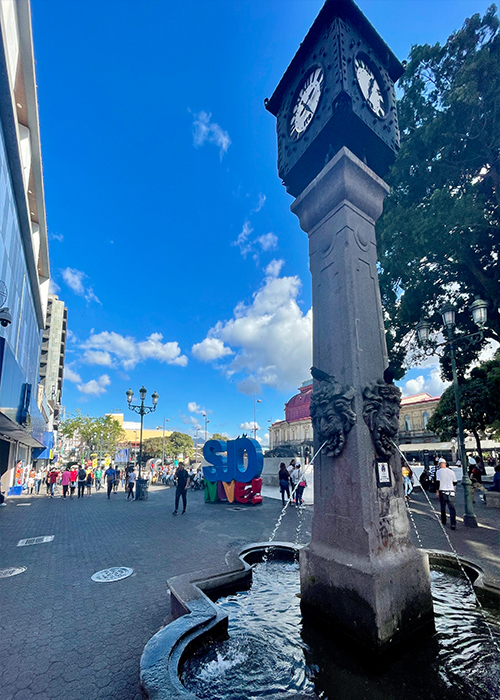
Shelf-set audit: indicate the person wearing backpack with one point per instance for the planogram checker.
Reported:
(82, 482)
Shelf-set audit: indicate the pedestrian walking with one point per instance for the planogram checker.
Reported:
(38, 480)
(295, 476)
(98, 478)
(284, 479)
(300, 487)
(445, 484)
(65, 481)
(82, 482)
(90, 478)
(73, 476)
(182, 487)
(53, 474)
(110, 475)
(117, 480)
(130, 484)
(31, 484)
(407, 478)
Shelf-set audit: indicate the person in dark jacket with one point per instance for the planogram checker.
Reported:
(183, 482)
(284, 478)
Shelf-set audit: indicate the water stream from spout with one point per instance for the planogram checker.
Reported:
(283, 510)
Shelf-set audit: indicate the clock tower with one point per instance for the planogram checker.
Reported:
(337, 130)
(337, 91)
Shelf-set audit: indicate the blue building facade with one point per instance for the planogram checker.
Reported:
(24, 267)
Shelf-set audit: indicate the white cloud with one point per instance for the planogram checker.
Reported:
(430, 383)
(210, 349)
(249, 425)
(98, 357)
(54, 288)
(260, 204)
(274, 268)
(75, 281)
(268, 241)
(127, 352)
(205, 131)
(71, 376)
(242, 241)
(272, 337)
(56, 237)
(95, 387)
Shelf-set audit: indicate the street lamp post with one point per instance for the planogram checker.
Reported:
(206, 423)
(254, 419)
(165, 420)
(142, 410)
(479, 315)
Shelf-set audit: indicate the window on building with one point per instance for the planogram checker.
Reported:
(426, 420)
(407, 423)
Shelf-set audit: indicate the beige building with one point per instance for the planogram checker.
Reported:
(132, 430)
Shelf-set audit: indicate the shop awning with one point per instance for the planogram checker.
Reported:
(10, 430)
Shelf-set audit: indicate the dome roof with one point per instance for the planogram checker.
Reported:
(298, 407)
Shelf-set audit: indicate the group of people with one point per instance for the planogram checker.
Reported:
(77, 478)
(292, 480)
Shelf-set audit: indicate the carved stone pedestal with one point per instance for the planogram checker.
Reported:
(360, 570)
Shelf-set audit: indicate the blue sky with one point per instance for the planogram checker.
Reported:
(171, 239)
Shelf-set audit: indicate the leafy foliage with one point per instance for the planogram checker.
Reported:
(175, 444)
(439, 237)
(480, 404)
(100, 434)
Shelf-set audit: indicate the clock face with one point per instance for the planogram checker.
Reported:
(306, 103)
(370, 86)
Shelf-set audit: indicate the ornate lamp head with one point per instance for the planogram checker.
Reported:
(448, 315)
(479, 309)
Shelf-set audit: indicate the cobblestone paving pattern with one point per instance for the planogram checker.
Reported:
(65, 636)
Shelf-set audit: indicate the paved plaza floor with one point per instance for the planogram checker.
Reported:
(65, 636)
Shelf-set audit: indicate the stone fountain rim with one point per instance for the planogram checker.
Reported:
(197, 617)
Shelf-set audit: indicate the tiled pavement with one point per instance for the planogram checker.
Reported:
(64, 636)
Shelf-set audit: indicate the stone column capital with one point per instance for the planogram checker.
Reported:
(344, 178)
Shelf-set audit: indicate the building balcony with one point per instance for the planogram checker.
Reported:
(419, 435)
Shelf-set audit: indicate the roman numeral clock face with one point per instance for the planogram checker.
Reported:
(370, 86)
(306, 103)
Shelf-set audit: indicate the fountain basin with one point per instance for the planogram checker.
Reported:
(199, 621)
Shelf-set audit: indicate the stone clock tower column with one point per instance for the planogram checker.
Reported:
(360, 568)
(337, 135)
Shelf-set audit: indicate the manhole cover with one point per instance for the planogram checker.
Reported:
(12, 571)
(116, 573)
(35, 540)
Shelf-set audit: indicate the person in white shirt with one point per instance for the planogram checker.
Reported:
(130, 484)
(445, 483)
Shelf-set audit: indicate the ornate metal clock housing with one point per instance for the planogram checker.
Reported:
(337, 91)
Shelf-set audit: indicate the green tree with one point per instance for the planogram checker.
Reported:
(480, 405)
(218, 436)
(99, 435)
(179, 443)
(153, 447)
(439, 237)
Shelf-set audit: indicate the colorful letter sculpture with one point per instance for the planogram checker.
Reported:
(230, 476)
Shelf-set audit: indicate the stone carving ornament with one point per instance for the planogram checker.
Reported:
(381, 402)
(332, 412)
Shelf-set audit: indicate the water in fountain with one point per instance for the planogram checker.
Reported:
(272, 653)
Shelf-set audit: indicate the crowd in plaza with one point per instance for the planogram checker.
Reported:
(77, 480)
